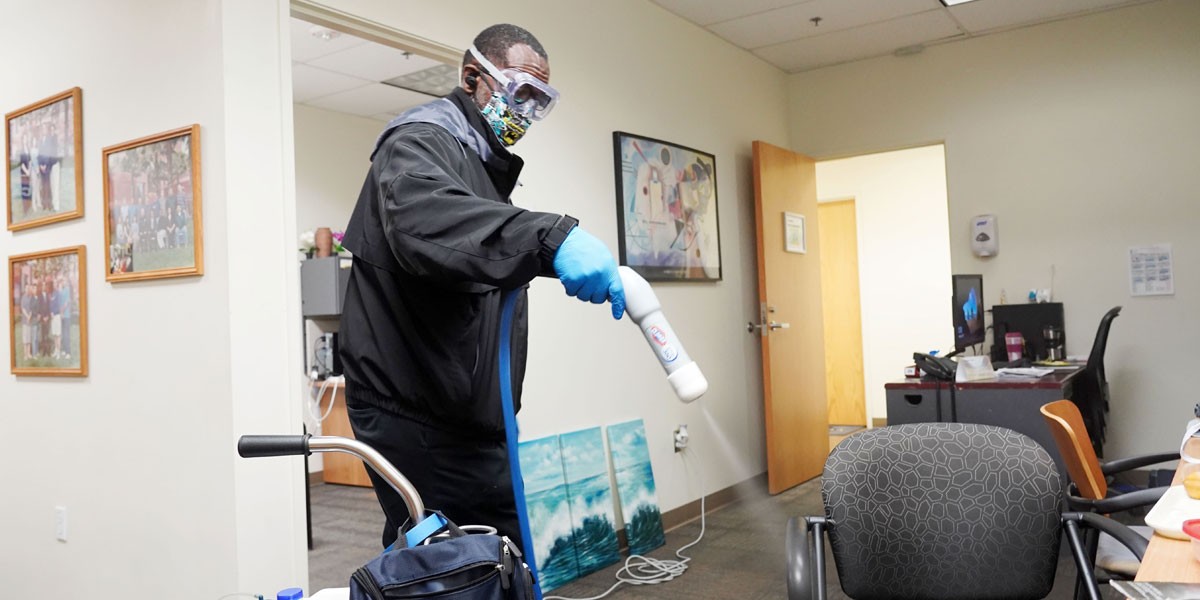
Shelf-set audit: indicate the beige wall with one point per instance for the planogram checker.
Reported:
(903, 257)
(1081, 136)
(333, 152)
(141, 452)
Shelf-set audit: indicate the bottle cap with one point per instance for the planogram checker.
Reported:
(688, 382)
(290, 594)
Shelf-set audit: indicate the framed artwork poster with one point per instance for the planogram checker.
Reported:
(668, 228)
(152, 207)
(48, 312)
(43, 150)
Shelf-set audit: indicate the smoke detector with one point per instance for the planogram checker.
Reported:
(323, 33)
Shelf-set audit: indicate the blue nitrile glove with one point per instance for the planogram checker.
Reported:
(587, 270)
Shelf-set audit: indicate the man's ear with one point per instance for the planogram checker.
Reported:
(470, 78)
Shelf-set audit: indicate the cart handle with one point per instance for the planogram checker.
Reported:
(255, 446)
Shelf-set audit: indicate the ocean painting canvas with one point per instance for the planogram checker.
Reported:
(586, 466)
(549, 511)
(635, 486)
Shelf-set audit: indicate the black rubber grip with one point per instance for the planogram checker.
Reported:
(256, 446)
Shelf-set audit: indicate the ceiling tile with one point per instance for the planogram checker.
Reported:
(861, 42)
(375, 62)
(794, 22)
(311, 82)
(991, 14)
(370, 100)
(306, 47)
(707, 12)
(436, 81)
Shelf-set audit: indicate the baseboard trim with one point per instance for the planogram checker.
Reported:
(755, 487)
(878, 422)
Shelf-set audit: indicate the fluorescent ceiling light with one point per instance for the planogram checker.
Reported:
(955, 2)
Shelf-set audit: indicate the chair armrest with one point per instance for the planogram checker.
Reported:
(806, 558)
(1128, 537)
(799, 561)
(1120, 503)
(1124, 464)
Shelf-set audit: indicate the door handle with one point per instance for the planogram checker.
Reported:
(769, 326)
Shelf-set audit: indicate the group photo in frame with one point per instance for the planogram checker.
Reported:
(152, 207)
(668, 228)
(48, 312)
(43, 150)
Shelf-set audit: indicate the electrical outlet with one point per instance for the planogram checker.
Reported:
(60, 523)
(680, 437)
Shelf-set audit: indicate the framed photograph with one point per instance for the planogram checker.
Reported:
(44, 146)
(795, 239)
(666, 209)
(152, 219)
(48, 313)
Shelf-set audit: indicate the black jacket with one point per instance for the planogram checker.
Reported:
(435, 240)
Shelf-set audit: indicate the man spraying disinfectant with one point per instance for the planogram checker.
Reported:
(434, 327)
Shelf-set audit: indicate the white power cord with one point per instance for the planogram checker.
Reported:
(643, 570)
(321, 396)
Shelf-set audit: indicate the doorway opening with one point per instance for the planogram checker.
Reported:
(885, 273)
(350, 77)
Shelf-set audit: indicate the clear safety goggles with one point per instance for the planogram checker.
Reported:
(530, 96)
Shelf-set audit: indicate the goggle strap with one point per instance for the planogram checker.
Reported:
(491, 68)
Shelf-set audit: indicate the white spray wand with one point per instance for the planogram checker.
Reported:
(643, 308)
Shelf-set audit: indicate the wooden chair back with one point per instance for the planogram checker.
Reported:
(1066, 425)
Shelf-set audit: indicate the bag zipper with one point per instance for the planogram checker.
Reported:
(386, 589)
(365, 581)
(506, 565)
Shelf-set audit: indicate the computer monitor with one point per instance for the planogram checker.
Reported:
(968, 313)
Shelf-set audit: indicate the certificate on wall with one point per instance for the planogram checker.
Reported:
(794, 239)
(1151, 270)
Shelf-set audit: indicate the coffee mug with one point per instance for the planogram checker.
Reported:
(1014, 342)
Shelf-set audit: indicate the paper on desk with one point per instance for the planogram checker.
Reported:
(1033, 372)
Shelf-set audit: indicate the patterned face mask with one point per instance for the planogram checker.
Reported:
(509, 125)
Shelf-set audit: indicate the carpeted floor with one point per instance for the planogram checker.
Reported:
(741, 555)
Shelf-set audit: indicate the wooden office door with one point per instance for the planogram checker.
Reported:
(789, 293)
(841, 307)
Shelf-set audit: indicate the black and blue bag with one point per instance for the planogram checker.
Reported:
(460, 567)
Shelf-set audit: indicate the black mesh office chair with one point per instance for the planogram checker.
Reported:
(1091, 386)
(939, 511)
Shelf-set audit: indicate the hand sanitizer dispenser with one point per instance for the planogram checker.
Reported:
(985, 240)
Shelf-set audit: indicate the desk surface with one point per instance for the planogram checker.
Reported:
(1052, 381)
(1167, 559)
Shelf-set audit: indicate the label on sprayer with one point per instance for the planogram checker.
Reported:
(667, 352)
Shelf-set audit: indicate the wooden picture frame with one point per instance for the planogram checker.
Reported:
(52, 329)
(668, 228)
(43, 154)
(153, 225)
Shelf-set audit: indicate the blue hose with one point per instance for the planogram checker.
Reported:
(508, 305)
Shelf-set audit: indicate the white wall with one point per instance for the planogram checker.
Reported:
(1081, 136)
(629, 65)
(333, 153)
(141, 452)
(903, 257)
